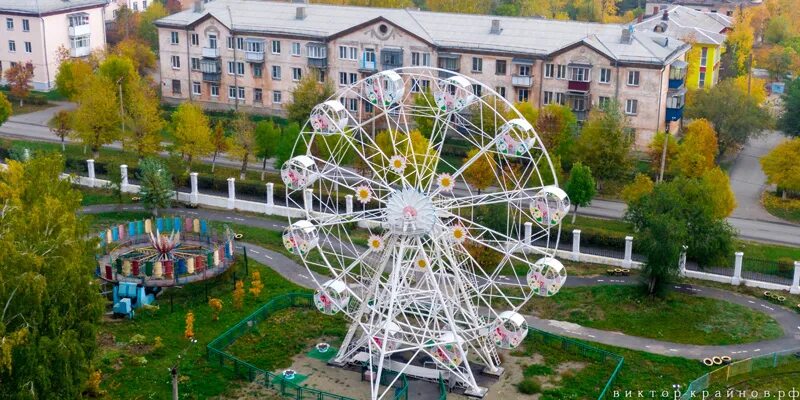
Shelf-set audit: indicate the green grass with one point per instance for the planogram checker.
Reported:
(763, 251)
(28, 108)
(788, 209)
(679, 318)
(612, 225)
(96, 196)
(105, 219)
(123, 378)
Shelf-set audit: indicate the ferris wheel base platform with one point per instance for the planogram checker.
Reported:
(496, 372)
(478, 392)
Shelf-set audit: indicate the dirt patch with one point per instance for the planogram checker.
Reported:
(106, 339)
(140, 349)
(506, 387)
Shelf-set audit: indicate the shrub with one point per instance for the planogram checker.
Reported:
(138, 339)
(529, 386)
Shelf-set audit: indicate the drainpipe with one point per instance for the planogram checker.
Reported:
(616, 84)
(660, 93)
(189, 66)
(235, 63)
(541, 82)
(44, 48)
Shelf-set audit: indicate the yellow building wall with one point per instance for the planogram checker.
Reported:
(696, 66)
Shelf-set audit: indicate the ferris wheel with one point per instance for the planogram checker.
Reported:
(431, 208)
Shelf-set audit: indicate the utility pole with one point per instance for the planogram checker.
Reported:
(235, 63)
(663, 156)
(749, 72)
(174, 372)
(121, 110)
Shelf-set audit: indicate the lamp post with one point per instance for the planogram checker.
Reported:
(121, 110)
(173, 370)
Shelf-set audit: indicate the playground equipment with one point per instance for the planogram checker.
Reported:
(419, 301)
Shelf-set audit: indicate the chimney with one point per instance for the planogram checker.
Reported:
(301, 12)
(665, 15)
(627, 34)
(496, 27)
(640, 18)
(198, 6)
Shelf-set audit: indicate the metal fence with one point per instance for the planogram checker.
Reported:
(779, 272)
(738, 372)
(716, 270)
(216, 354)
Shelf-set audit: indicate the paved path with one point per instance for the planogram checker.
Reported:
(748, 180)
(291, 270)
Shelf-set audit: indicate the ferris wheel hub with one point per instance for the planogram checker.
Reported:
(409, 212)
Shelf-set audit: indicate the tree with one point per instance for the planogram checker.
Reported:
(60, 126)
(122, 73)
(482, 173)
(51, 303)
(219, 142)
(238, 294)
(267, 136)
(739, 42)
(143, 121)
(96, 121)
(19, 78)
(156, 185)
(604, 146)
(421, 158)
(191, 130)
(580, 187)
(641, 186)
(662, 240)
(256, 286)
(307, 94)
(244, 140)
(72, 77)
(188, 332)
(216, 308)
(138, 52)
(789, 120)
(756, 86)
(146, 28)
(425, 120)
(285, 147)
(465, 7)
(655, 152)
(718, 185)
(555, 126)
(126, 24)
(781, 166)
(777, 30)
(5, 108)
(736, 116)
(698, 151)
(486, 117)
(779, 63)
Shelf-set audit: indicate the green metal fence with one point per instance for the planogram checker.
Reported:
(739, 371)
(218, 356)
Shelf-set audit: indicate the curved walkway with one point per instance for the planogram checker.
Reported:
(294, 272)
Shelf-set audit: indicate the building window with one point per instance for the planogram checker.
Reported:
(524, 70)
(173, 38)
(580, 74)
(631, 107)
(297, 74)
(12, 46)
(80, 19)
(603, 101)
(195, 39)
(295, 48)
(348, 53)
(548, 98)
(477, 90)
(196, 88)
(633, 78)
(549, 70)
(236, 68)
(701, 79)
(501, 90)
(214, 90)
(560, 98)
(579, 104)
(562, 72)
(212, 41)
(276, 72)
(241, 92)
(415, 86)
(144, 4)
(258, 95)
(367, 106)
(239, 43)
(477, 64)
(236, 92)
(500, 67)
(522, 95)
(135, 6)
(605, 75)
(195, 64)
(321, 75)
(704, 56)
(232, 92)
(229, 42)
(28, 47)
(78, 42)
(352, 105)
(26, 25)
(276, 47)
(10, 24)
(343, 79)
(316, 51)
(176, 62)
(353, 78)
(176, 86)
(415, 58)
(258, 71)
(254, 46)
(277, 97)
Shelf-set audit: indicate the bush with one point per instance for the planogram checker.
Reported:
(529, 386)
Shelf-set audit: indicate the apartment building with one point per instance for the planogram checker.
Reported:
(33, 32)
(135, 5)
(705, 31)
(252, 54)
(724, 7)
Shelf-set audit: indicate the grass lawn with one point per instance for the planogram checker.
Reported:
(772, 252)
(28, 108)
(95, 196)
(680, 318)
(788, 209)
(105, 219)
(133, 368)
(582, 222)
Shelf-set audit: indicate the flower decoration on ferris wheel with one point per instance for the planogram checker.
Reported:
(398, 163)
(363, 194)
(375, 242)
(459, 233)
(446, 182)
(422, 262)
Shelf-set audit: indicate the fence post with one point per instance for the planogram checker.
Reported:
(270, 196)
(576, 244)
(246, 269)
(123, 173)
(231, 193)
(795, 289)
(348, 203)
(308, 199)
(528, 232)
(682, 261)
(193, 183)
(626, 263)
(737, 269)
(90, 169)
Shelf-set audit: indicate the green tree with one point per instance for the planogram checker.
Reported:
(555, 126)
(777, 30)
(51, 303)
(19, 78)
(718, 185)
(126, 24)
(60, 125)
(604, 144)
(420, 157)
(5, 108)
(220, 143)
(244, 143)
(156, 185)
(736, 116)
(641, 186)
(580, 187)
(779, 63)
(138, 52)
(656, 152)
(457, 6)
(73, 76)
(307, 94)
(424, 118)
(267, 136)
(192, 133)
(146, 28)
(285, 147)
(96, 121)
(662, 240)
(122, 73)
(789, 120)
(486, 118)
(143, 122)
(782, 167)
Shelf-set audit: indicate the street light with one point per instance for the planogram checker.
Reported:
(174, 369)
(121, 110)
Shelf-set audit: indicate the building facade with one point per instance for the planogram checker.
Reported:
(251, 54)
(724, 7)
(33, 32)
(705, 31)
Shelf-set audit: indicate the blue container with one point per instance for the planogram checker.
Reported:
(114, 234)
(139, 227)
(160, 224)
(203, 227)
(181, 268)
(131, 229)
(176, 224)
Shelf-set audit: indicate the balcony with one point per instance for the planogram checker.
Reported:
(522, 80)
(210, 52)
(80, 51)
(367, 66)
(318, 63)
(211, 77)
(254, 56)
(80, 30)
(578, 86)
(674, 114)
(391, 58)
(582, 115)
(446, 74)
(676, 99)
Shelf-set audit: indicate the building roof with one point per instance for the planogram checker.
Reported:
(690, 25)
(708, 3)
(38, 7)
(448, 32)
